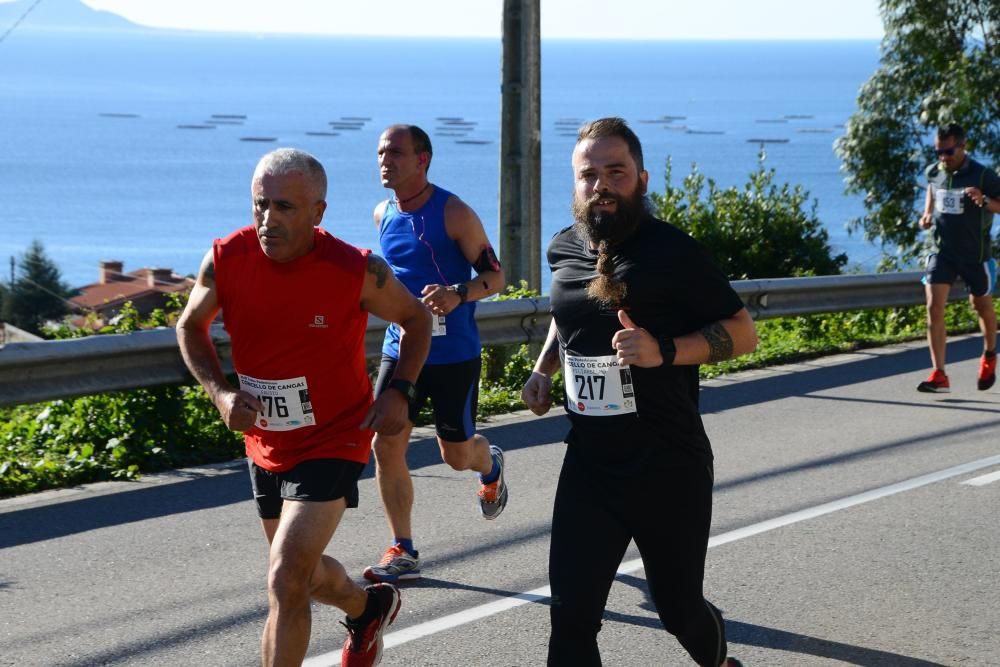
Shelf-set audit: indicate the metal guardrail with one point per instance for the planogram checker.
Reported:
(32, 372)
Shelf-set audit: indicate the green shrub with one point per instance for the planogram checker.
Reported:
(760, 231)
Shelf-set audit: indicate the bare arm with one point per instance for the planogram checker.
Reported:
(926, 219)
(385, 297)
(238, 409)
(536, 393)
(378, 213)
(466, 229)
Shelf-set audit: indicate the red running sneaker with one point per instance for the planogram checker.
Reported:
(363, 647)
(936, 383)
(987, 372)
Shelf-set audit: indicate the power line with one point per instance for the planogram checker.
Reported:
(18, 22)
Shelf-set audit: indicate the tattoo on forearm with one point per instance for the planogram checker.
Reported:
(720, 343)
(378, 268)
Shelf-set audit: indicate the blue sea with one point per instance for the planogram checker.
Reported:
(96, 161)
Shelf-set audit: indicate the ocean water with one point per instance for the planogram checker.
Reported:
(94, 162)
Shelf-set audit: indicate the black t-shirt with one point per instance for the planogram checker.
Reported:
(673, 288)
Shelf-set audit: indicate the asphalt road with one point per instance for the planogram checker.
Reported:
(845, 533)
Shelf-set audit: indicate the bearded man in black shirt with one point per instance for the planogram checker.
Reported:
(637, 304)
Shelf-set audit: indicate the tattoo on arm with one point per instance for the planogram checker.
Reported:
(378, 267)
(720, 343)
(206, 273)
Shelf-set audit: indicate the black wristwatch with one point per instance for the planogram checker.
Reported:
(405, 387)
(667, 349)
(462, 290)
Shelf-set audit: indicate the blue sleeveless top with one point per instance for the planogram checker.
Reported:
(417, 247)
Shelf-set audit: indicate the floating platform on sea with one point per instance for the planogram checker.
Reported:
(230, 116)
(323, 134)
(704, 132)
(477, 142)
(767, 141)
(799, 116)
(259, 139)
(192, 126)
(115, 114)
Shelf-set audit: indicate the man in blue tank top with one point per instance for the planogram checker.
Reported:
(432, 240)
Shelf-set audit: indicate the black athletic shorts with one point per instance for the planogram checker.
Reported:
(316, 480)
(980, 277)
(454, 393)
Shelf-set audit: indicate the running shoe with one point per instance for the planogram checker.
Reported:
(987, 372)
(493, 497)
(397, 564)
(363, 647)
(936, 383)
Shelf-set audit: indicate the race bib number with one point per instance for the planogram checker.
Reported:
(949, 201)
(439, 325)
(598, 386)
(286, 403)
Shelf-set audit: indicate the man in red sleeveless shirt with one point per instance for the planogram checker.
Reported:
(295, 301)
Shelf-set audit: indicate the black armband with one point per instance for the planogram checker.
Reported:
(487, 261)
(667, 349)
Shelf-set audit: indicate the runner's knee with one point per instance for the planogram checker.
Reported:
(289, 581)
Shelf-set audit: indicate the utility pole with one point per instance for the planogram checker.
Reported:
(520, 144)
(12, 264)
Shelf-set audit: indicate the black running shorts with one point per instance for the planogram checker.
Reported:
(980, 277)
(454, 393)
(315, 480)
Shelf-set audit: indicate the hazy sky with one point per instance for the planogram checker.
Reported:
(624, 19)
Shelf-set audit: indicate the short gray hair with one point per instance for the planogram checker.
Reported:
(284, 161)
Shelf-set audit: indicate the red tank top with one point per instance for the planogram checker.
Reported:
(298, 339)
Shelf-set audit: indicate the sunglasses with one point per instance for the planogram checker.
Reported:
(948, 152)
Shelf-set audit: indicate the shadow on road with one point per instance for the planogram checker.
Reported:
(78, 515)
(747, 634)
(873, 367)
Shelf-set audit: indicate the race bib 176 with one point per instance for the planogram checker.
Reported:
(286, 402)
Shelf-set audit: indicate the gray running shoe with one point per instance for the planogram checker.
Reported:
(493, 497)
(396, 565)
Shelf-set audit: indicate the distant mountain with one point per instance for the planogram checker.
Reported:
(61, 15)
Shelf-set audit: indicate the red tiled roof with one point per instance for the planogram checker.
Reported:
(129, 286)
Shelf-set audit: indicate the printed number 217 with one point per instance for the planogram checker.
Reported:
(585, 388)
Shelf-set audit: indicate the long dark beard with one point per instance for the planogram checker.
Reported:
(607, 230)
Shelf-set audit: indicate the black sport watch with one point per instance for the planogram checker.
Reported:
(462, 290)
(668, 350)
(405, 387)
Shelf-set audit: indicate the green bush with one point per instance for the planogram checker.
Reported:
(760, 231)
(114, 435)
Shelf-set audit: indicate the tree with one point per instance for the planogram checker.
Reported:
(938, 65)
(760, 231)
(38, 294)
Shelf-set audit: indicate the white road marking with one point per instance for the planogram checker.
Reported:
(983, 480)
(482, 611)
